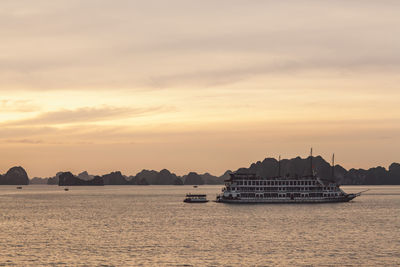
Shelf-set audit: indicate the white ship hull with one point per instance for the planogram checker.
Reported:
(285, 200)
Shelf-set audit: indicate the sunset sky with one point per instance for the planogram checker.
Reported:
(200, 86)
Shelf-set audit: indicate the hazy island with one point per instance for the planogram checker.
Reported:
(266, 168)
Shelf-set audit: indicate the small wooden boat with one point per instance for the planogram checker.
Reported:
(66, 189)
(19, 187)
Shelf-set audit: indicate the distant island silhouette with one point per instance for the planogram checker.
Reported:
(266, 168)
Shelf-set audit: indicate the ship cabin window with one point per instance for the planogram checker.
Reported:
(291, 182)
(245, 182)
(280, 183)
(264, 183)
(295, 182)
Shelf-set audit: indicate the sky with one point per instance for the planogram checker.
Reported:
(203, 86)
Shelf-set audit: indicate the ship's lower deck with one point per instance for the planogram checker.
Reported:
(284, 200)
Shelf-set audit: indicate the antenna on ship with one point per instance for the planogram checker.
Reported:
(311, 164)
(279, 166)
(333, 166)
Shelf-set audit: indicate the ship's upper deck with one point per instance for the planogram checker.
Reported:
(253, 176)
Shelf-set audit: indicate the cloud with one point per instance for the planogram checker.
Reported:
(230, 75)
(86, 115)
(135, 41)
(23, 141)
(8, 105)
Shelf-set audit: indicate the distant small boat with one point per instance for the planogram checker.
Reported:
(195, 186)
(19, 187)
(66, 189)
(195, 198)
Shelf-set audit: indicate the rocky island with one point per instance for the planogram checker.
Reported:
(15, 176)
(266, 168)
(68, 179)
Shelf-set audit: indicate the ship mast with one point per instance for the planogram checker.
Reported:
(311, 163)
(333, 166)
(279, 166)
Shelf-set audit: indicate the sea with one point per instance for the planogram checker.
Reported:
(43, 225)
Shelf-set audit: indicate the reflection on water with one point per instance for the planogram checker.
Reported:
(150, 225)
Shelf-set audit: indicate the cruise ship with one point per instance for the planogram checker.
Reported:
(251, 188)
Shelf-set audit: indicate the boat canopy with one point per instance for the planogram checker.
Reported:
(195, 195)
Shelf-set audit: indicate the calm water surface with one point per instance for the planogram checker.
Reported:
(150, 225)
